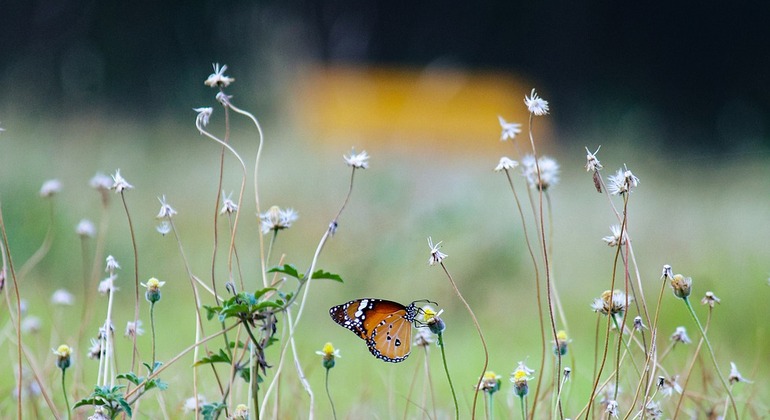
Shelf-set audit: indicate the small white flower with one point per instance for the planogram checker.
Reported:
(86, 229)
(736, 376)
(100, 181)
(506, 164)
(615, 239)
(62, 297)
(166, 211)
(667, 273)
(107, 285)
(50, 187)
(592, 163)
(223, 99)
(202, 119)
(119, 183)
(549, 172)
(509, 130)
(228, 205)
(218, 78)
(670, 385)
(112, 264)
(95, 351)
(653, 411)
(436, 256)
(622, 182)
(612, 408)
(189, 404)
(31, 324)
(133, 329)
(360, 160)
(164, 227)
(276, 218)
(680, 336)
(536, 105)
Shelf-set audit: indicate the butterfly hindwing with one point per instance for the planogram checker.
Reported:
(386, 326)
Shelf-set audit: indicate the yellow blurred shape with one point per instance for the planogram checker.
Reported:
(406, 108)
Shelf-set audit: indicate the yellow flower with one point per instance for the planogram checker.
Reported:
(63, 354)
(329, 353)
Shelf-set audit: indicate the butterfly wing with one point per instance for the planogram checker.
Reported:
(386, 326)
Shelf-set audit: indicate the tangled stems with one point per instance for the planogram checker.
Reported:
(713, 357)
(449, 378)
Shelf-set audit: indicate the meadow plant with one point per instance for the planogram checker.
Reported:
(246, 308)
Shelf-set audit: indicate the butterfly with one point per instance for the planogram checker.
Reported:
(386, 326)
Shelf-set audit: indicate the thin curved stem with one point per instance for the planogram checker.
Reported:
(328, 394)
(448, 377)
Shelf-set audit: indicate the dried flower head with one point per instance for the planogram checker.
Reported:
(100, 182)
(108, 285)
(133, 329)
(164, 227)
(224, 99)
(112, 264)
(549, 172)
(85, 229)
(652, 410)
(31, 324)
(592, 163)
(506, 164)
(357, 160)
(218, 78)
(680, 336)
(670, 385)
(241, 412)
(228, 205)
(535, 104)
(423, 338)
(329, 354)
(119, 184)
(62, 297)
(681, 285)
(166, 211)
(490, 382)
(520, 378)
(638, 324)
(615, 239)
(612, 408)
(50, 188)
(509, 130)
(436, 256)
(736, 376)
(192, 402)
(710, 299)
(202, 119)
(275, 219)
(622, 182)
(95, 351)
(667, 273)
(611, 303)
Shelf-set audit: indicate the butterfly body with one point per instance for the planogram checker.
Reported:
(386, 326)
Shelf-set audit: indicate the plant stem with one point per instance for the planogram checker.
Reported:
(152, 327)
(449, 378)
(64, 391)
(523, 408)
(328, 394)
(713, 357)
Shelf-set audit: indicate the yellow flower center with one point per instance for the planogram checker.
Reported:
(64, 350)
(328, 349)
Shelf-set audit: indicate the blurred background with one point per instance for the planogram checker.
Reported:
(677, 92)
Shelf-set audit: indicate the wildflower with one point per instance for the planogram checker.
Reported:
(549, 172)
(611, 303)
(536, 105)
(736, 376)
(520, 378)
(490, 383)
(506, 164)
(62, 297)
(202, 119)
(423, 338)
(50, 187)
(166, 211)
(653, 411)
(241, 412)
(560, 346)
(153, 289)
(329, 354)
(681, 285)
(432, 319)
(107, 285)
(667, 272)
(669, 385)
(622, 182)
(612, 408)
(710, 299)
(360, 160)
(85, 229)
(119, 183)
(228, 205)
(133, 328)
(218, 78)
(436, 256)
(276, 219)
(95, 351)
(592, 163)
(224, 99)
(510, 130)
(31, 325)
(112, 264)
(100, 182)
(615, 239)
(638, 324)
(63, 354)
(680, 336)
(164, 227)
(192, 402)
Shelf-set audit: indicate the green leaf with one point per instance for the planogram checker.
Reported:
(325, 275)
(212, 311)
(287, 269)
(221, 357)
(131, 377)
(259, 293)
(126, 407)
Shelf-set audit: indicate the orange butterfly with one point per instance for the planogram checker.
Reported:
(386, 326)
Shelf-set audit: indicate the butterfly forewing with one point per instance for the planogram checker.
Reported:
(385, 325)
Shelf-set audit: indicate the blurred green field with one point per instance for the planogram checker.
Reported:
(705, 214)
